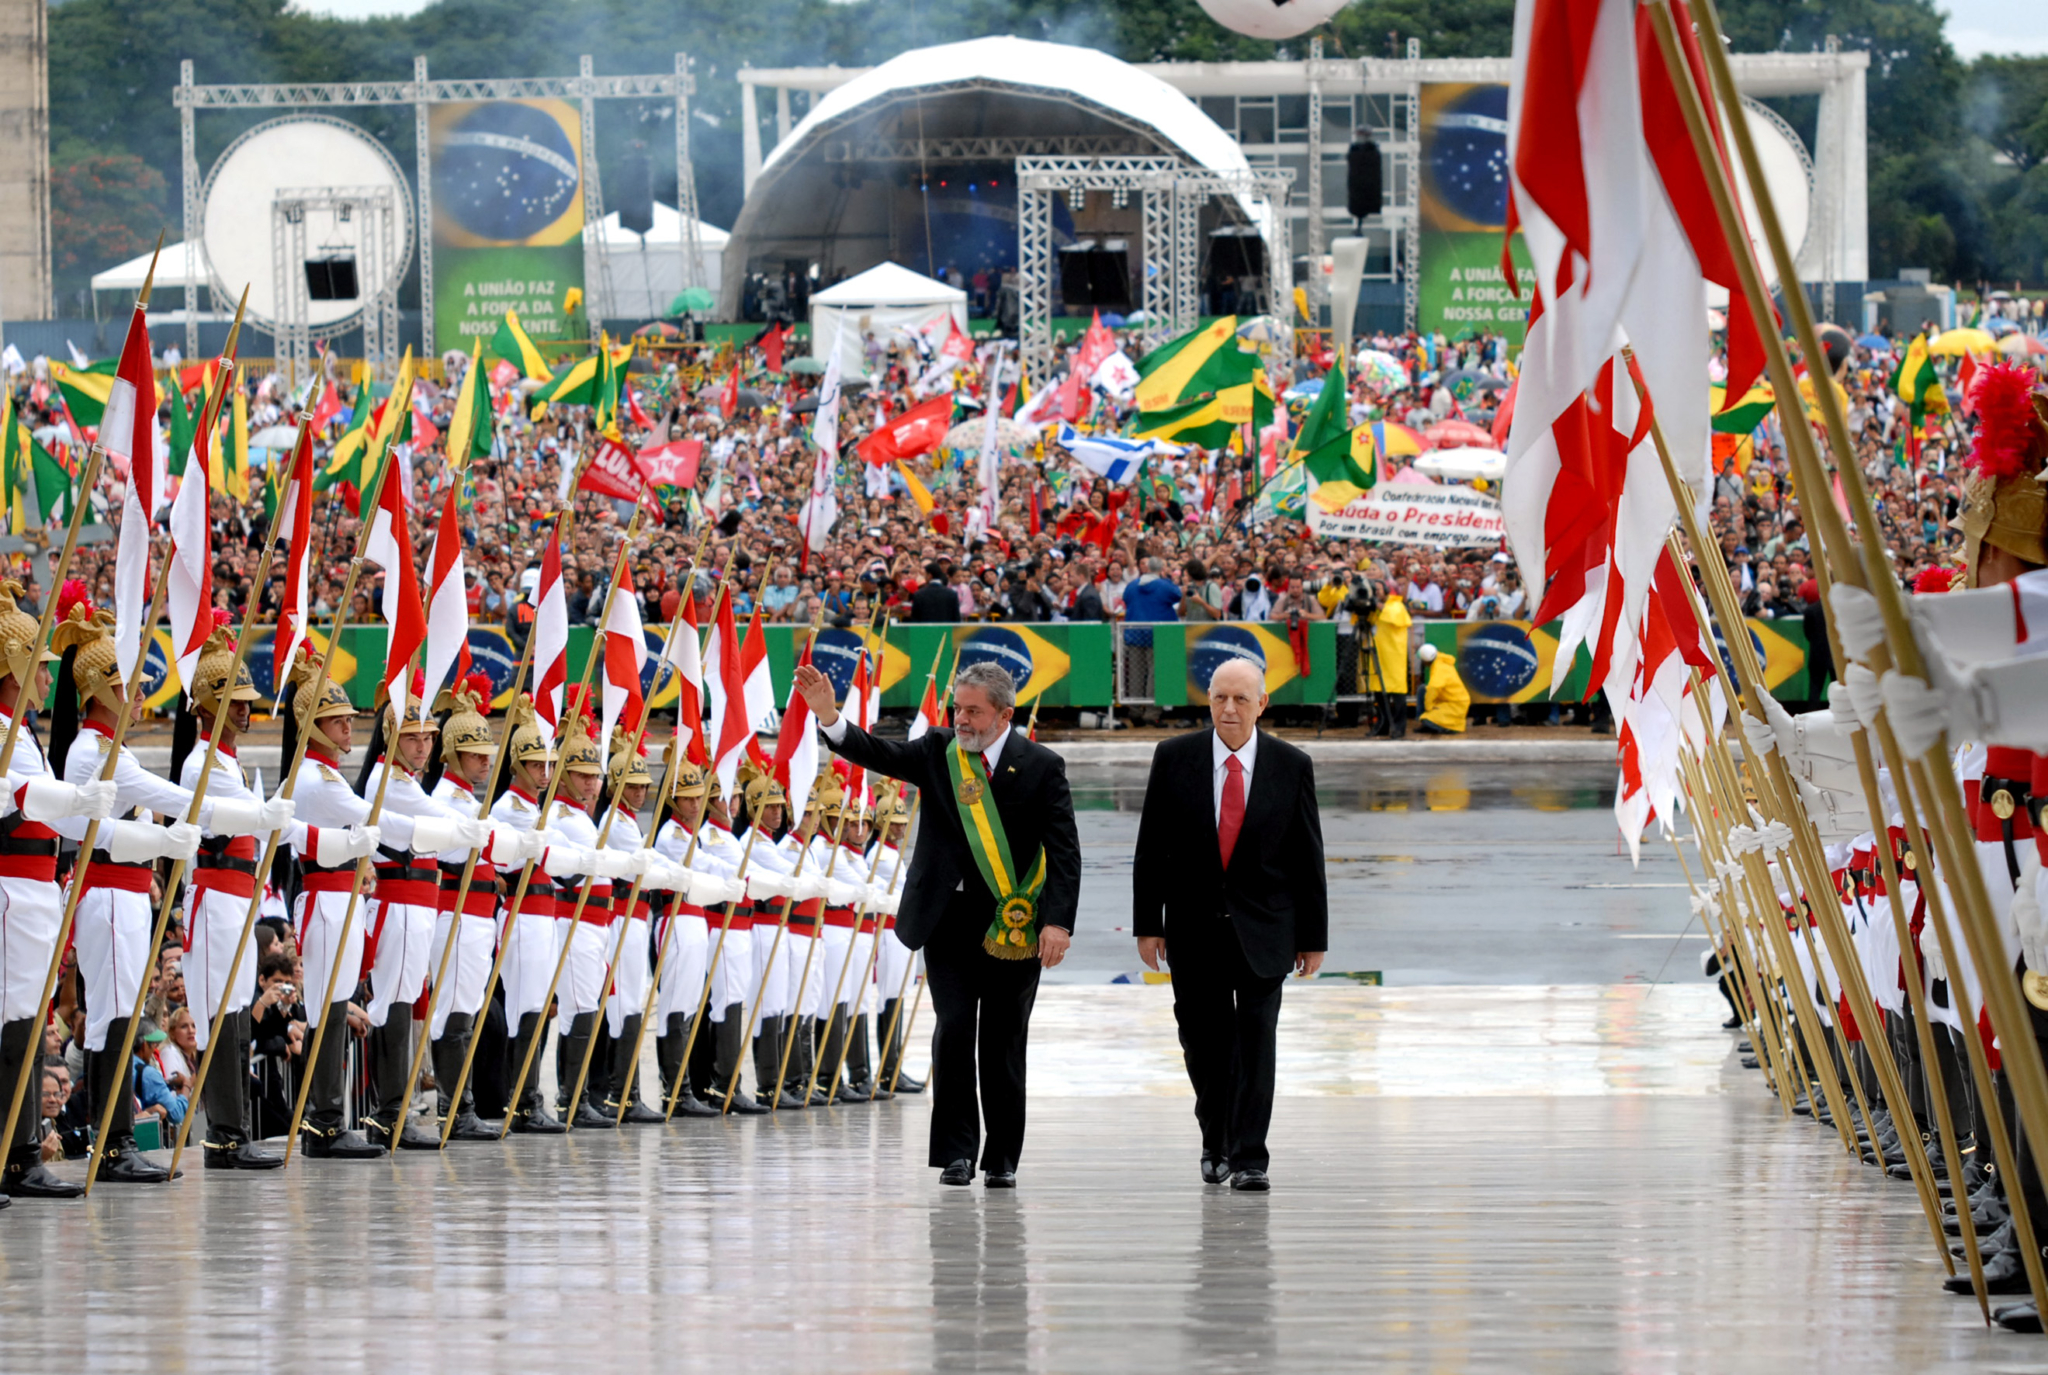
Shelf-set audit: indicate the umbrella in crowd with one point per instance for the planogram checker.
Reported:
(809, 367)
(658, 329)
(1464, 465)
(1113, 321)
(274, 437)
(1875, 342)
(1998, 324)
(1955, 342)
(1381, 370)
(2017, 345)
(1457, 434)
(967, 435)
(1263, 329)
(692, 300)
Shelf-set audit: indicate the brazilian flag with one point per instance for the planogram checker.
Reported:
(512, 344)
(1341, 459)
(1199, 363)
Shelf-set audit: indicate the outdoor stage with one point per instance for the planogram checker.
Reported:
(1533, 1150)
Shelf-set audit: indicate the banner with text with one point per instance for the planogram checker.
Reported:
(508, 218)
(1460, 290)
(1413, 513)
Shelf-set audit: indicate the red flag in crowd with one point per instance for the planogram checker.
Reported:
(918, 430)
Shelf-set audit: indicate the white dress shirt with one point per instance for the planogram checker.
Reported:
(1220, 754)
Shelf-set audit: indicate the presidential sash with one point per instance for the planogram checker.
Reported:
(1013, 935)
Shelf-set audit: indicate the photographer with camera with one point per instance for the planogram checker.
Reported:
(1387, 677)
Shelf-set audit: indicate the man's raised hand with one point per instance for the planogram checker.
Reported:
(817, 691)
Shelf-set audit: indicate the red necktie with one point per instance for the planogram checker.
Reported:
(1232, 817)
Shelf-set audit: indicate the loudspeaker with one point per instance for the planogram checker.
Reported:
(332, 278)
(1362, 189)
(634, 186)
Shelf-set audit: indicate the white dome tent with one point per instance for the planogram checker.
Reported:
(643, 283)
(880, 301)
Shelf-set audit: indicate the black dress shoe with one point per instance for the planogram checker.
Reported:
(411, 1135)
(26, 1178)
(340, 1145)
(792, 1100)
(850, 1092)
(589, 1117)
(638, 1114)
(999, 1179)
(536, 1120)
(741, 1105)
(469, 1127)
(906, 1084)
(690, 1105)
(1215, 1170)
(1250, 1182)
(1731, 1024)
(236, 1153)
(959, 1172)
(2004, 1273)
(124, 1164)
(2018, 1317)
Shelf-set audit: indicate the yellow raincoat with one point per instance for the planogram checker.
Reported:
(1390, 646)
(1444, 698)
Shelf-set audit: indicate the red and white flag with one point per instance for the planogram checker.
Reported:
(928, 713)
(625, 654)
(729, 395)
(551, 632)
(390, 547)
(189, 583)
(758, 690)
(128, 434)
(796, 745)
(684, 654)
(862, 701)
(447, 594)
(726, 676)
(295, 526)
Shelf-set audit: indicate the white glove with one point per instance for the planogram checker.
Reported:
(50, 799)
(531, 845)
(278, 813)
(1930, 953)
(472, 834)
(808, 887)
(132, 842)
(1775, 837)
(567, 861)
(765, 884)
(872, 896)
(339, 845)
(506, 845)
(1919, 714)
(839, 893)
(661, 876)
(2028, 917)
(1757, 734)
(1858, 620)
(893, 901)
(180, 841)
(634, 862)
(1842, 706)
(235, 816)
(729, 890)
(1865, 693)
(610, 863)
(1744, 840)
(433, 834)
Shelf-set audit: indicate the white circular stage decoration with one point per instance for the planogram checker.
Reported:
(309, 154)
(1788, 173)
(1271, 18)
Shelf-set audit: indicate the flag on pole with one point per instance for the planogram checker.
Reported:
(295, 521)
(189, 586)
(390, 547)
(796, 744)
(128, 435)
(928, 713)
(1109, 457)
(512, 344)
(729, 395)
(447, 595)
(38, 490)
(551, 629)
(625, 653)
(728, 679)
(685, 654)
(862, 702)
(1340, 456)
(918, 430)
(469, 429)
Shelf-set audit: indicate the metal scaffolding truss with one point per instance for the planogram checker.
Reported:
(1170, 267)
(421, 92)
(1411, 232)
(377, 255)
(923, 150)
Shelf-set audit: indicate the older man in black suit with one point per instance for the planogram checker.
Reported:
(989, 899)
(1228, 886)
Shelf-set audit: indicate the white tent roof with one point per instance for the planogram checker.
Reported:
(170, 272)
(889, 284)
(668, 228)
(1054, 68)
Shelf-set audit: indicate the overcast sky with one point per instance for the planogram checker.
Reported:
(1974, 26)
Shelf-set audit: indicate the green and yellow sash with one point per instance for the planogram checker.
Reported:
(1013, 935)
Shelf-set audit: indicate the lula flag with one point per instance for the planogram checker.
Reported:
(1108, 456)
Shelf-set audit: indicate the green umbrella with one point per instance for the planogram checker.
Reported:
(691, 300)
(807, 365)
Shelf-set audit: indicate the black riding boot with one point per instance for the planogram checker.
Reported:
(449, 1052)
(326, 1139)
(856, 1080)
(109, 1074)
(829, 1054)
(583, 1113)
(390, 1063)
(626, 1083)
(530, 1113)
(731, 1033)
(226, 1099)
(893, 1076)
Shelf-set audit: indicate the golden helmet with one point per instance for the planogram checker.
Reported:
(530, 743)
(890, 809)
(217, 664)
(582, 755)
(628, 766)
(419, 712)
(825, 791)
(467, 727)
(18, 656)
(333, 699)
(95, 669)
(763, 791)
(692, 781)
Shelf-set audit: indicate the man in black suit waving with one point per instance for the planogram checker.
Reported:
(1228, 885)
(989, 898)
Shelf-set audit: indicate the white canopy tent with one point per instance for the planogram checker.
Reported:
(646, 276)
(170, 272)
(885, 298)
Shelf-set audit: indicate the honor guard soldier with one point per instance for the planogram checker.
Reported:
(338, 834)
(849, 964)
(810, 839)
(588, 938)
(630, 784)
(689, 942)
(38, 808)
(217, 897)
(113, 926)
(467, 753)
(775, 854)
(731, 958)
(405, 911)
(773, 975)
(896, 964)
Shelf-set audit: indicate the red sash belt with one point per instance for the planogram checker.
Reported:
(41, 868)
(125, 878)
(329, 881)
(839, 916)
(477, 902)
(230, 881)
(417, 892)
